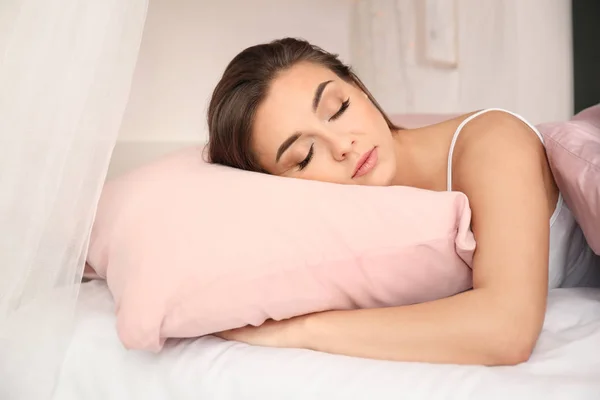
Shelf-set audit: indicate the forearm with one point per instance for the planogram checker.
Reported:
(469, 328)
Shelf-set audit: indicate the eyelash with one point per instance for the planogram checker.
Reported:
(309, 156)
(344, 107)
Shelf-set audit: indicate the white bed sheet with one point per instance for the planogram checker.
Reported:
(565, 365)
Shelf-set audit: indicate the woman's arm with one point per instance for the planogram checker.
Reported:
(499, 164)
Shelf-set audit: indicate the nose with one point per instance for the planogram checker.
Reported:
(342, 146)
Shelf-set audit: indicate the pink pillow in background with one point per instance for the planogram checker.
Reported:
(573, 149)
(190, 249)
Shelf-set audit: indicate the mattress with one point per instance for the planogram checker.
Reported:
(565, 365)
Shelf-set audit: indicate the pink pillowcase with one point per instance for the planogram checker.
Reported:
(573, 149)
(190, 249)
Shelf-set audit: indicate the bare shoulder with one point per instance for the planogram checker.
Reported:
(490, 127)
(498, 153)
(495, 151)
(499, 128)
(497, 140)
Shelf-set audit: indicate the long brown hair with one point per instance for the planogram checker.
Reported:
(245, 84)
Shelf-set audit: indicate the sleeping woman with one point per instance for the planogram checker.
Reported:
(291, 109)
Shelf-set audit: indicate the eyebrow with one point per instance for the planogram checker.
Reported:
(318, 94)
(292, 139)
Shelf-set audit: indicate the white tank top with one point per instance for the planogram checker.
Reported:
(571, 261)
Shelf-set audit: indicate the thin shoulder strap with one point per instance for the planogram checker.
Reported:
(465, 122)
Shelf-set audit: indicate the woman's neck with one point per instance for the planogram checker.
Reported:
(421, 157)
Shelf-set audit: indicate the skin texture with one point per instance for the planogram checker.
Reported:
(499, 163)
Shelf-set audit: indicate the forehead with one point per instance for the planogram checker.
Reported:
(301, 77)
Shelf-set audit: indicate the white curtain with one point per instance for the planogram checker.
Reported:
(65, 72)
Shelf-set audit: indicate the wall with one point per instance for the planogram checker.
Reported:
(188, 43)
(511, 53)
(514, 54)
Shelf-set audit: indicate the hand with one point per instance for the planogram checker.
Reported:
(269, 334)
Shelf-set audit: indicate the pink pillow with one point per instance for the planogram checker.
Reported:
(573, 149)
(190, 249)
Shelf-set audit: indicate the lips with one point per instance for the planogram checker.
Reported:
(365, 163)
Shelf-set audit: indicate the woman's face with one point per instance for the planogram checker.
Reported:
(313, 125)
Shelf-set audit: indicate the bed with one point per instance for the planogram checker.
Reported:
(565, 364)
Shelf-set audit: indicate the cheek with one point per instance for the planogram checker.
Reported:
(367, 111)
(325, 169)
(376, 116)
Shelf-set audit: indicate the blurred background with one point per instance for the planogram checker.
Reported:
(416, 56)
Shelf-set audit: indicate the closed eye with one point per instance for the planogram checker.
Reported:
(343, 107)
(302, 164)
